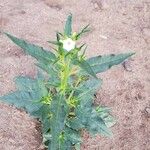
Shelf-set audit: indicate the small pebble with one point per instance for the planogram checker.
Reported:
(147, 110)
(100, 4)
(127, 66)
(103, 37)
(96, 6)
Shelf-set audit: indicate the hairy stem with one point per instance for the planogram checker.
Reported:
(65, 73)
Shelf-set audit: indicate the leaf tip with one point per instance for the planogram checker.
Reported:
(132, 53)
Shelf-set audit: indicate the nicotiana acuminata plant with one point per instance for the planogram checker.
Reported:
(61, 95)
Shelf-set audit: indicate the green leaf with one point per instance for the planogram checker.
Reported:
(70, 138)
(58, 110)
(86, 67)
(86, 115)
(84, 30)
(104, 113)
(53, 72)
(28, 84)
(86, 90)
(89, 87)
(43, 114)
(92, 121)
(29, 91)
(77, 146)
(74, 123)
(40, 75)
(57, 36)
(46, 139)
(97, 125)
(54, 42)
(35, 51)
(72, 135)
(103, 63)
(22, 99)
(68, 26)
(51, 69)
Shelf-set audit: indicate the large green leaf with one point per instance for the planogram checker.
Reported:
(29, 91)
(97, 125)
(91, 120)
(103, 63)
(86, 115)
(35, 51)
(68, 26)
(22, 99)
(58, 111)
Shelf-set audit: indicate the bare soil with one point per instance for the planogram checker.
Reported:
(118, 26)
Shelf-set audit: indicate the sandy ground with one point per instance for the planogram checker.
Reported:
(118, 26)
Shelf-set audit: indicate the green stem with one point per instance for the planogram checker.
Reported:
(65, 74)
(72, 92)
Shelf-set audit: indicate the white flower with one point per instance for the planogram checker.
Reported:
(68, 44)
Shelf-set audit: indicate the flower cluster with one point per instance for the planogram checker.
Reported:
(68, 44)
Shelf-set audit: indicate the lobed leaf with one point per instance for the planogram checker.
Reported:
(92, 121)
(29, 91)
(22, 99)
